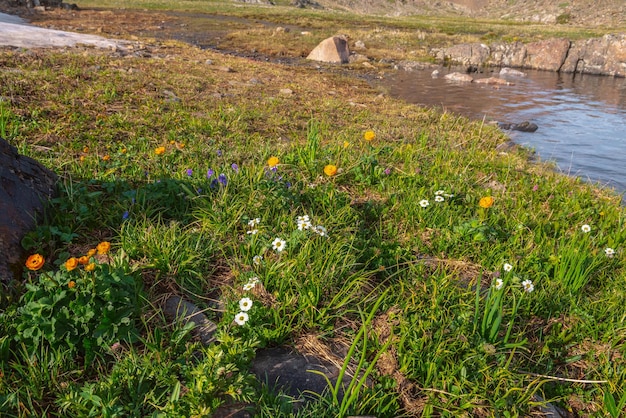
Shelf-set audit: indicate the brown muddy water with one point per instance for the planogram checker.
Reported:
(581, 118)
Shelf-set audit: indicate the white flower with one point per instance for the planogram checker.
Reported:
(439, 198)
(248, 286)
(507, 267)
(321, 230)
(245, 304)
(254, 222)
(424, 203)
(253, 280)
(499, 283)
(256, 260)
(278, 244)
(302, 225)
(440, 192)
(303, 218)
(241, 318)
(585, 228)
(610, 252)
(253, 232)
(528, 286)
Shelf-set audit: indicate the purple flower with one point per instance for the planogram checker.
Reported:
(535, 188)
(189, 172)
(125, 215)
(288, 184)
(222, 179)
(214, 184)
(219, 152)
(387, 171)
(235, 167)
(210, 173)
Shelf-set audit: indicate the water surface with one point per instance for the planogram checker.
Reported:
(581, 118)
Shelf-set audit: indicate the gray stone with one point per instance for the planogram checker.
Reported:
(459, 77)
(186, 312)
(291, 372)
(25, 185)
(333, 50)
(511, 72)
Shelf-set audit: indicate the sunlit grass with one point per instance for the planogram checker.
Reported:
(168, 159)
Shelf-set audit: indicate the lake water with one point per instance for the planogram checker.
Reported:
(581, 118)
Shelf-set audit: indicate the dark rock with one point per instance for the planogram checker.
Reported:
(287, 370)
(186, 312)
(522, 127)
(25, 185)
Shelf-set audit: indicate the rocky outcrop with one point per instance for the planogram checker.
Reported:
(333, 50)
(24, 187)
(606, 55)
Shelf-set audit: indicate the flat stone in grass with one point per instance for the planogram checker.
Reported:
(286, 370)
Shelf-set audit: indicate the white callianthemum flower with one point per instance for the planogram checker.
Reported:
(278, 244)
(248, 286)
(499, 283)
(252, 232)
(253, 280)
(507, 267)
(303, 218)
(610, 252)
(321, 230)
(241, 318)
(585, 228)
(528, 286)
(424, 203)
(245, 304)
(254, 222)
(440, 192)
(439, 198)
(256, 260)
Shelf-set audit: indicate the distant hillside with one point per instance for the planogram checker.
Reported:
(577, 12)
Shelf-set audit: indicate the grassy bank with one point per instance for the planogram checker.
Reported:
(473, 281)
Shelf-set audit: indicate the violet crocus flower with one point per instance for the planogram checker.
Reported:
(189, 172)
(235, 167)
(125, 215)
(222, 179)
(210, 173)
(219, 152)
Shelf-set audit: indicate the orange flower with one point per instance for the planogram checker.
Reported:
(103, 247)
(90, 267)
(330, 170)
(91, 252)
(71, 284)
(273, 161)
(83, 260)
(106, 157)
(346, 144)
(35, 262)
(86, 150)
(71, 263)
(81, 158)
(486, 202)
(123, 150)
(369, 135)
(159, 151)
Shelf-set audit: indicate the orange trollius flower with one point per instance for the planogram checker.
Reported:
(159, 151)
(83, 260)
(106, 157)
(71, 284)
(486, 202)
(103, 247)
(91, 252)
(369, 135)
(272, 161)
(330, 170)
(71, 263)
(35, 262)
(90, 267)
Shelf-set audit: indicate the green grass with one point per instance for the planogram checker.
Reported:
(412, 284)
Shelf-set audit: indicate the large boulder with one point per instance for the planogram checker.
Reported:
(24, 187)
(333, 50)
(547, 55)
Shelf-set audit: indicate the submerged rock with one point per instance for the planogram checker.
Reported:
(525, 126)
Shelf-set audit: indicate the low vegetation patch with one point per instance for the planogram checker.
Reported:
(468, 280)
